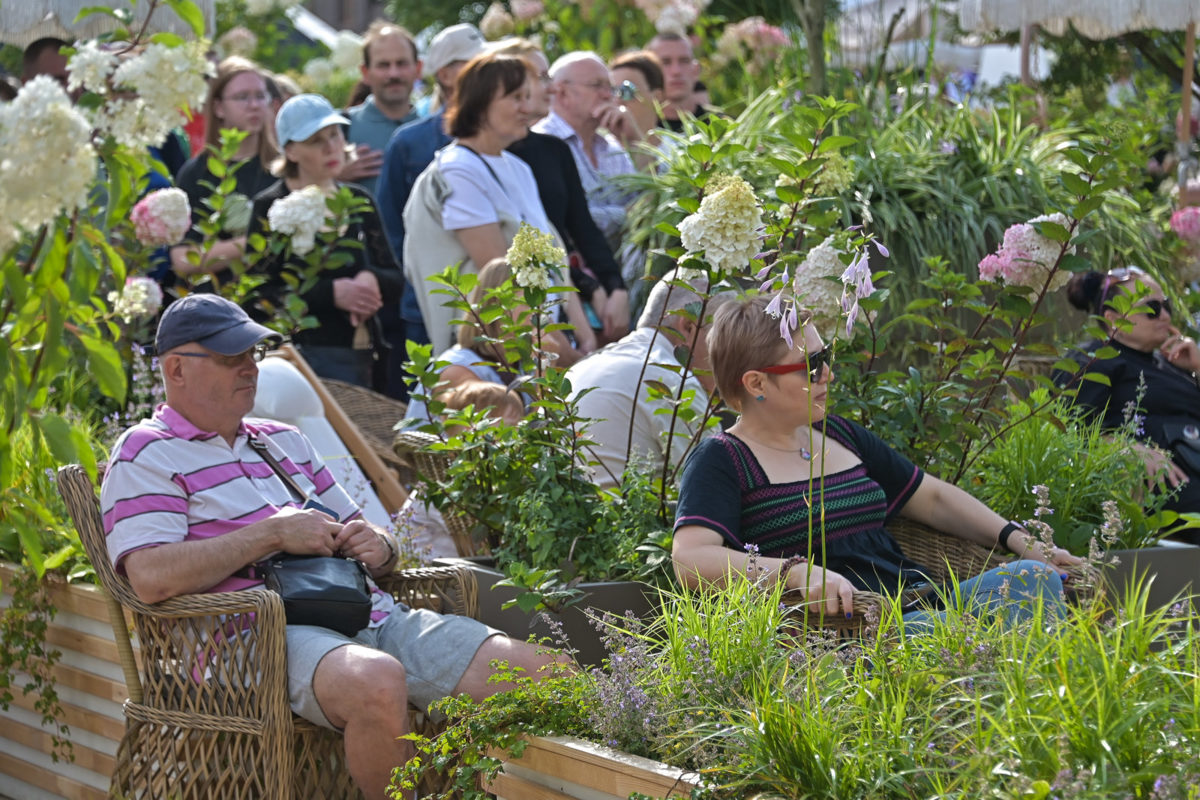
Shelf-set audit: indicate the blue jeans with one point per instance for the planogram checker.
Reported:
(1011, 591)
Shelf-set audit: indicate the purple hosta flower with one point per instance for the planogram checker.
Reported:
(775, 309)
(883, 251)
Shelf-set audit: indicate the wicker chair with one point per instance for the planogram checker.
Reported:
(944, 555)
(376, 416)
(207, 714)
(430, 465)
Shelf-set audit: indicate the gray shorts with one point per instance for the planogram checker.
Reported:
(435, 649)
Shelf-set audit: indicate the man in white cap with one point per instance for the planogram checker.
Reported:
(190, 505)
(408, 153)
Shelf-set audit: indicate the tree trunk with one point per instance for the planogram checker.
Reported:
(811, 16)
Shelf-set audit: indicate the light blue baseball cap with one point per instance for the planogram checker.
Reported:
(302, 116)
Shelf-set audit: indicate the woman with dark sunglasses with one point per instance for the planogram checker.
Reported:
(1152, 351)
(808, 496)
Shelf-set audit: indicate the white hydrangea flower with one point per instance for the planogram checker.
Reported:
(813, 288)
(90, 67)
(300, 215)
(319, 71)
(726, 227)
(162, 217)
(260, 7)
(532, 256)
(48, 161)
(141, 297)
(496, 22)
(165, 81)
(347, 51)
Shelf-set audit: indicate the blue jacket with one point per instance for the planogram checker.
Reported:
(408, 153)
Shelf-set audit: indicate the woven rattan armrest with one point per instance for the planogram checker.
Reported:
(447, 590)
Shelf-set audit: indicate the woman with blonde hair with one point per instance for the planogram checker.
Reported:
(238, 99)
(792, 491)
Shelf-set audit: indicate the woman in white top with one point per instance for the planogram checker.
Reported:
(469, 203)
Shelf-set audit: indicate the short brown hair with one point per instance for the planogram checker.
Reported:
(381, 28)
(476, 87)
(645, 62)
(227, 70)
(744, 336)
(484, 395)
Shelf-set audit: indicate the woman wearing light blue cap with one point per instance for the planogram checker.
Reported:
(361, 273)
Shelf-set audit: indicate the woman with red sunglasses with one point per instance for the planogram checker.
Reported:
(808, 495)
(1153, 352)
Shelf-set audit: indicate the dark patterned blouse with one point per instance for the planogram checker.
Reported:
(725, 489)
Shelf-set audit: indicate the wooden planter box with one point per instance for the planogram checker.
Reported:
(91, 689)
(616, 597)
(563, 768)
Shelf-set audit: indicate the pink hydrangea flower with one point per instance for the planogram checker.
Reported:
(161, 218)
(1186, 223)
(1026, 258)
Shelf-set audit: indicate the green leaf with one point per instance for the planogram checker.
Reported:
(190, 13)
(700, 152)
(119, 14)
(104, 365)
(57, 433)
(167, 38)
(835, 143)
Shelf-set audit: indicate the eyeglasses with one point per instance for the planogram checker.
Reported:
(595, 86)
(246, 98)
(256, 353)
(627, 91)
(814, 364)
(1113, 278)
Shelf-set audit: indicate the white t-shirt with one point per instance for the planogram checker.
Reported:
(476, 192)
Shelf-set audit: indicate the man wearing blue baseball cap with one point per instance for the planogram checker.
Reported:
(189, 504)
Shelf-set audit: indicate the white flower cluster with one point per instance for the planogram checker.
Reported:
(48, 162)
(319, 71)
(162, 217)
(165, 81)
(532, 256)
(142, 297)
(813, 288)
(726, 227)
(672, 16)
(90, 68)
(347, 51)
(496, 22)
(300, 215)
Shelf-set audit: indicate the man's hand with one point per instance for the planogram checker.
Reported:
(359, 296)
(365, 164)
(359, 540)
(619, 121)
(306, 531)
(614, 313)
(1181, 351)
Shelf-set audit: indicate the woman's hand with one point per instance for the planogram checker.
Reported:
(1181, 351)
(358, 296)
(1160, 466)
(823, 585)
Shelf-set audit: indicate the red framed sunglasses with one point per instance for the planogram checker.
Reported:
(814, 364)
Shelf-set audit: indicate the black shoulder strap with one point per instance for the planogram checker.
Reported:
(260, 447)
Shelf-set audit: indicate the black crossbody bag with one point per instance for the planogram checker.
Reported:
(326, 591)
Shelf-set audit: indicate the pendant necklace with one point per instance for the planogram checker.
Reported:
(804, 452)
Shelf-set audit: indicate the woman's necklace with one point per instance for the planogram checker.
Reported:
(804, 452)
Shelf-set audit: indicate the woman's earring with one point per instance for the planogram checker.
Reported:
(760, 398)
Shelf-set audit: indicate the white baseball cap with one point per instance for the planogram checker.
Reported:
(456, 43)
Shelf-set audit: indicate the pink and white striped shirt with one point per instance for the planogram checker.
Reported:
(168, 481)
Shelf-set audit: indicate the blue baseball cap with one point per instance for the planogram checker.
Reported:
(302, 116)
(210, 321)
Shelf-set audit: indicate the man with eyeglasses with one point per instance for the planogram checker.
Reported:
(585, 113)
(189, 505)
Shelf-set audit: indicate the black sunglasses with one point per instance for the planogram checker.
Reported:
(1156, 308)
(814, 364)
